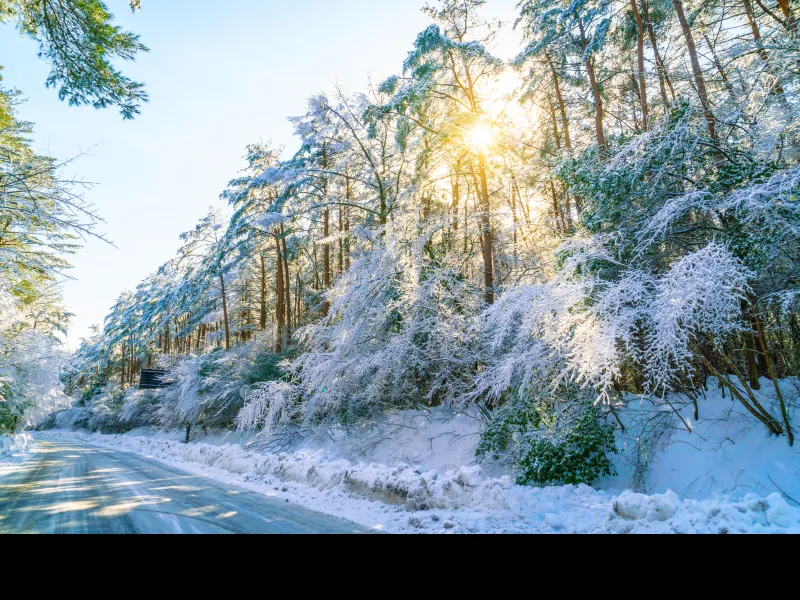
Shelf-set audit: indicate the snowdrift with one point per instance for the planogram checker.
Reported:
(16, 444)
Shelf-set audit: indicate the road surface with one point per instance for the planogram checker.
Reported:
(72, 487)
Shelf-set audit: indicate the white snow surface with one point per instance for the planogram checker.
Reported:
(417, 474)
(14, 450)
(18, 444)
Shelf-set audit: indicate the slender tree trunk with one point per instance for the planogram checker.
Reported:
(664, 81)
(762, 52)
(561, 106)
(486, 230)
(326, 250)
(751, 19)
(786, 9)
(280, 308)
(598, 98)
(263, 319)
(557, 208)
(455, 192)
(122, 368)
(341, 241)
(696, 70)
(750, 350)
(225, 312)
(297, 296)
(347, 236)
(556, 135)
(315, 260)
(288, 290)
(515, 220)
(640, 60)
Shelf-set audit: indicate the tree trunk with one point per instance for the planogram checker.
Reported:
(326, 260)
(598, 98)
(556, 135)
(263, 319)
(341, 241)
(225, 312)
(762, 52)
(751, 19)
(696, 70)
(288, 291)
(280, 309)
(486, 230)
(774, 377)
(640, 60)
(663, 76)
(122, 368)
(561, 107)
(560, 221)
(786, 9)
(326, 251)
(456, 196)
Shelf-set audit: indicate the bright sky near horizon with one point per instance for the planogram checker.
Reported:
(220, 75)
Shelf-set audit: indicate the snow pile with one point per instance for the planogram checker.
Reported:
(402, 498)
(17, 444)
(400, 485)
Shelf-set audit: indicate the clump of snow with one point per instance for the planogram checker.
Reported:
(14, 450)
(18, 444)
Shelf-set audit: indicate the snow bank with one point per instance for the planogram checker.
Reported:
(724, 452)
(402, 498)
(16, 444)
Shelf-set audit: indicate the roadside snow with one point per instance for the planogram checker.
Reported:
(14, 450)
(404, 499)
(16, 444)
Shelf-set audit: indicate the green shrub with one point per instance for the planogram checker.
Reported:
(581, 455)
(551, 438)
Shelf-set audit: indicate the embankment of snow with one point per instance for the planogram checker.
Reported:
(21, 443)
(725, 451)
(402, 498)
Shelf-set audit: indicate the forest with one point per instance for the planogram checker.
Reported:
(609, 219)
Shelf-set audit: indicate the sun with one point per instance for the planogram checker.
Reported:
(481, 136)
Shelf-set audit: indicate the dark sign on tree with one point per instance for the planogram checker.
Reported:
(152, 379)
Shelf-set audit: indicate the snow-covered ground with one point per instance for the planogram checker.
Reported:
(14, 450)
(16, 446)
(417, 473)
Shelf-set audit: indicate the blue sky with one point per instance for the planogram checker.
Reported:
(220, 75)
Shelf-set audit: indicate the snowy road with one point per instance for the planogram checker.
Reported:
(72, 487)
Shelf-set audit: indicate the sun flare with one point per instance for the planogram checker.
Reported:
(481, 136)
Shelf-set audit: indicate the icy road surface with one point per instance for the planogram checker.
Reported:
(72, 487)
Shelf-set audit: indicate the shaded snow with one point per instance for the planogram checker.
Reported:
(725, 452)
